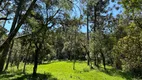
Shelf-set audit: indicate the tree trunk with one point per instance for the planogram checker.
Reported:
(96, 63)
(95, 60)
(12, 60)
(95, 18)
(103, 57)
(9, 56)
(88, 56)
(17, 64)
(25, 62)
(36, 58)
(3, 57)
(74, 62)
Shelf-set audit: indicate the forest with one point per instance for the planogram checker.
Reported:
(70, 39)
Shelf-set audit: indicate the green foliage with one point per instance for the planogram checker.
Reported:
(128, 49)
(131, 5)
(66, 4)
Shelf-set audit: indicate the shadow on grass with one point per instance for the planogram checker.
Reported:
(6, 75)
(9, 74)
(39, 76)
(21, 76)
(114, 72)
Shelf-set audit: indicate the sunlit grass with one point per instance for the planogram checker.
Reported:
(63, 71)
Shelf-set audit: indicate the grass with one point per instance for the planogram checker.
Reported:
(63, 71)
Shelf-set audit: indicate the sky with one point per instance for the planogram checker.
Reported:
(77, 13)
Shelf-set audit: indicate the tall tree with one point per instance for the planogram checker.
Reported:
(14, 29)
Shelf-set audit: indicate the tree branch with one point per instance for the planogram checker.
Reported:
(5, 19)
(13, 33)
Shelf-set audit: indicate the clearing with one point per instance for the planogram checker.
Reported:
(62, 70)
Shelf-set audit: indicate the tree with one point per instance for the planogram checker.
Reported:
(14, 29)
(128, 37)
(129, 46)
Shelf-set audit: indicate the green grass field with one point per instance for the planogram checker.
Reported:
(63, 71)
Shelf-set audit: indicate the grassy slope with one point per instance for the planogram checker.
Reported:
(63, 71)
